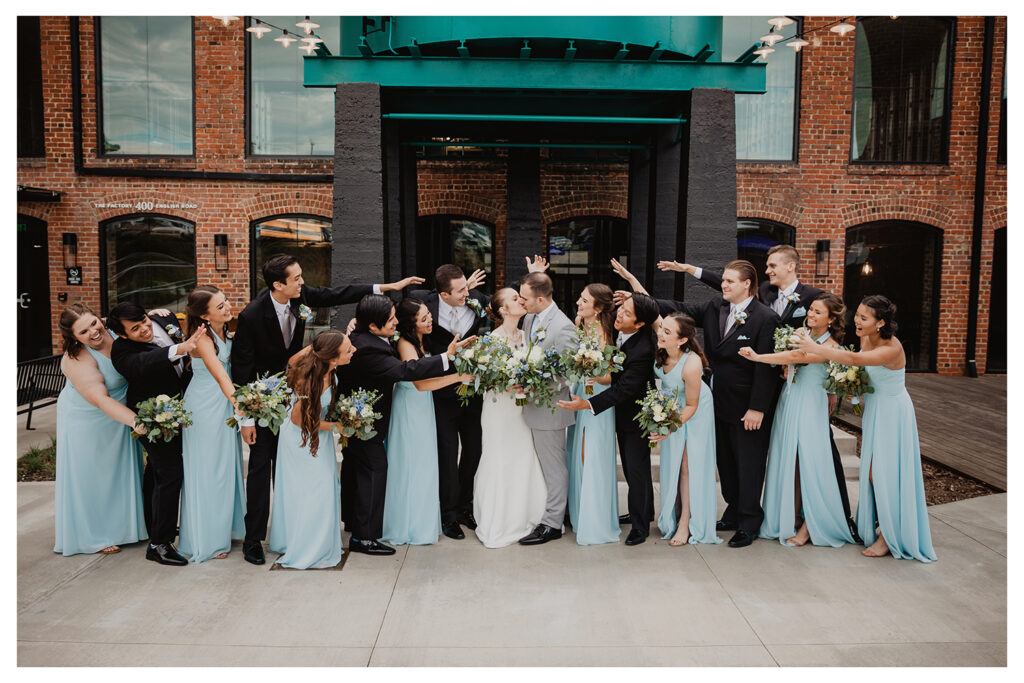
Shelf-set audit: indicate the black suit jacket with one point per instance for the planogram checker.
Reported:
(258, 347)
(629, 384)
(768, 293)
(147, 369)
(377, 366)
(439, 338)
(739, 384)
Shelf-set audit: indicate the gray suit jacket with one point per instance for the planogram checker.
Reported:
(561, 333)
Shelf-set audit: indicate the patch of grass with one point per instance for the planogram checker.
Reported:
(39, 464)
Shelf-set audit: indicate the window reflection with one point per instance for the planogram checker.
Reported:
(150, 260)
(146, 70)
(286, 118)
(580, 251)
(466, 242)
(755, 236)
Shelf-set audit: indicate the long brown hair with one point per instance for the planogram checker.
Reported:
(835, 307)
(604, 299)
(197, 305)
(68, 317)
(305, 379)
(685, 327)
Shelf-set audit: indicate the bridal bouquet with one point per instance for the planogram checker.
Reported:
(163, 417)
(843, 381)
(266, 400)
(484, 359)
(659, 413)
(355, 416)
(590, 359)
(531, 369)
(782, 335)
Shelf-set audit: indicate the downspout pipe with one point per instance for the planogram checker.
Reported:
(979, 201)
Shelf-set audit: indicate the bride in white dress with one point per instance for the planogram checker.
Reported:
(509, 490)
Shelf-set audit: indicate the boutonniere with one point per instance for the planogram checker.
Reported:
(741, 318)
(542, 334)
(305, 312)
(172, 330)
(793, 298)
(476, 306)
(395, 337)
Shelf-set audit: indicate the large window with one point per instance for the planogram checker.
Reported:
(285, 118)
(902, 261)
(466, 242)
(765, 123)
(30, 89)
(307, 238)
(146, 101)
(580, 251)
(901, 93)
(148, 259)
(755, 236)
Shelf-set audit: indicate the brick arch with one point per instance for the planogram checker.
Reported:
(896, 208)
(995, 217)
(132, 198)
(471, 206)
(584, 204)
(769, 207)
(40, 212)
(279, 203)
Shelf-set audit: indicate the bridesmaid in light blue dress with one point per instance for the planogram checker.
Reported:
(800, 450)
(688, 454)
(212, 491)
(98, 498)
(891, 483)
(305, 527)
(412, 508)
(590, 444)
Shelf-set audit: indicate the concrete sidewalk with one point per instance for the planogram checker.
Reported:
(459, 604)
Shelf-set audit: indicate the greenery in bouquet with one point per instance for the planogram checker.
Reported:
(355, 416)
(484, 359)
(532, 371)
(163, 417)
(782, 336)
(659, 412)
(265, 400)
(589, 359)
(848, 380)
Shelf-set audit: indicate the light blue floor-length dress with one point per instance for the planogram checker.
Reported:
(305, 527)
(891, 453)
(593, 477)
(212, 491)
(800, 435)
(697, 437)
(98, 494)
(412, 507)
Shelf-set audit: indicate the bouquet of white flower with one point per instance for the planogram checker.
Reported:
(782, 336)
(163, 417)
(659, 413)
(530, 369)
(484, 359)
(852, 381)
(355, 415)
(266, 400)
(590, 359)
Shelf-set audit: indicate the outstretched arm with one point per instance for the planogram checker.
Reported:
(711, 279)
(884, 355)
(86, 378)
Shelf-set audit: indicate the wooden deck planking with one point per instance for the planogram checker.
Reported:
(961, 423)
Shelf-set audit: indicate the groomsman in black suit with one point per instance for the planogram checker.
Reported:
(790, 299)
(145, 354)
(270, 331)
(376, 366)
(635, 338)
(743, 391)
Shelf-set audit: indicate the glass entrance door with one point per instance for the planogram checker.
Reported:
(33, 290)
(580, 251)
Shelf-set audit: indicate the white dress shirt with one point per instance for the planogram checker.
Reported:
(733, 310)
(455, 320)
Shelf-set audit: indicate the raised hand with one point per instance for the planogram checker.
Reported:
(350, 327)
(801, 341)
(621, 271)
(402, 284)
(160, 312)
(456, 344)
(620, 296)
(538, 265)
(189, 345)
(676, 266)
(476, 279)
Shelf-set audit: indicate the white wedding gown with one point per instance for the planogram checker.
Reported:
(509, 493)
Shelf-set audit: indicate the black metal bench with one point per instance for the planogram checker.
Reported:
(39, 382)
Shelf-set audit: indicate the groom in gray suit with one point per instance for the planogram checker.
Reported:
(548, 328)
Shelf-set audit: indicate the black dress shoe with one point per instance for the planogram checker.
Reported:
(624, 519)
(542, 534)
(636, 537)
(723, 525)
(853, 531)
(453, 530)
(165, 554)
(741, 539)
(370, 547)
(252, 551)
(467, 520)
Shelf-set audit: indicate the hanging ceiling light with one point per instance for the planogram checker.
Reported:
(771, 38)
(779, 22)
(307, 25)
(843, 28)
(866, 268)
(285, 38)
(310, 48)
(226, 20)
(797, 43)
(312, 40)
(259, 29)
(764, 52)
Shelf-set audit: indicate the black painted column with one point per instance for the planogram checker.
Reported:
(664, 208)
(707, 233)
(392, 203)
(639, 223)
(357, 254)
(524, 229)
